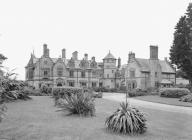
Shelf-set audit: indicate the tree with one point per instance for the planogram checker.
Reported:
(181, 50)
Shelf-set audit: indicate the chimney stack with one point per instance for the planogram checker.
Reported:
(75, 55)
(86, 56)
(131, 56)
(45, 50)
(93, 58)
(63, 53)
(153, 52)
(119, 62)
(47, 53)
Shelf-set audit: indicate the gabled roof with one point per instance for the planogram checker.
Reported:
(145, 65)
(166, 67)
(109, 56)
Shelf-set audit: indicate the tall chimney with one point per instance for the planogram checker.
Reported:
(63, 53)
(75, 55)
(119, 62)
(44, 49)
(93, 58)
(47, 55)
(86, 56)
(153, 52)
(131, 56)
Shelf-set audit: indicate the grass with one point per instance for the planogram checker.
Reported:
(164, 100)
(37, 119)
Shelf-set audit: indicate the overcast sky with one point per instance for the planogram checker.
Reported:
(86, 26)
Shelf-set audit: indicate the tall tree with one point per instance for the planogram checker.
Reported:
(181, 50)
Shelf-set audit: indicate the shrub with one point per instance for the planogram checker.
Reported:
(33, 92)
(134, 93)
(186, 98)
(11, 89)
(3, 109)
(113, 90)
(45, 89)
(173, 92)
(81, 103)
(59, 92)
(98, 94)
(126, 120)
(123, 88)
(189, 86)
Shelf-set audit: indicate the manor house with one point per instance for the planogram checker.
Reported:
(149, 73)
(74, 71)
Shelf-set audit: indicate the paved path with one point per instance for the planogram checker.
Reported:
(134, 102)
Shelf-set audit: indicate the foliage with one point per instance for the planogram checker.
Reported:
(123, 88)
(45, 89)
(180, 52)
(189, 86)
(81, 103)
(60, 92)
(126, 120)
(2, 57)
(97, 94)
(135, 93)
(3, 109)
(186, 98)
(12, 89)
(173, 92)
(180, 73)
(33, 92)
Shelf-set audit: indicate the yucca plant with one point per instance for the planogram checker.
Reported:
(81, 103)
(127, 120)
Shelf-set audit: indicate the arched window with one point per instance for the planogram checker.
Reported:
(60, 71)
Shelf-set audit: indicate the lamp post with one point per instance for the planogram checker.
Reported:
(126, 74)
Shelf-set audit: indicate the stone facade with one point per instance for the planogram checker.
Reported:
(74, 72)
(149, 73)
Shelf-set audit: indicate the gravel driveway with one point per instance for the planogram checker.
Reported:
(134, 102)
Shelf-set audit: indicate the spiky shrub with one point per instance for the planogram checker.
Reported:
(81, 103)
(126, 120)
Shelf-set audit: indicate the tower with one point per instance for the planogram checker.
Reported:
(109, 62)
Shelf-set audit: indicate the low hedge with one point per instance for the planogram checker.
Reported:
(58, 92)
(135, 93)
(186, 98)
(173, 92)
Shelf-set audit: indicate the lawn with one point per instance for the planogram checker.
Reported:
(38, 120)
(163, 100)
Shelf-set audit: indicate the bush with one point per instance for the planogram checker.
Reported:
(98, 94)
(3, 109)
(126, 120)
(33, 92)
(173, 92)
(45, 89)
(81, 103)
(186, 98)
(189, 86)
(123, 88)
(135, 93)
(60, 92)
